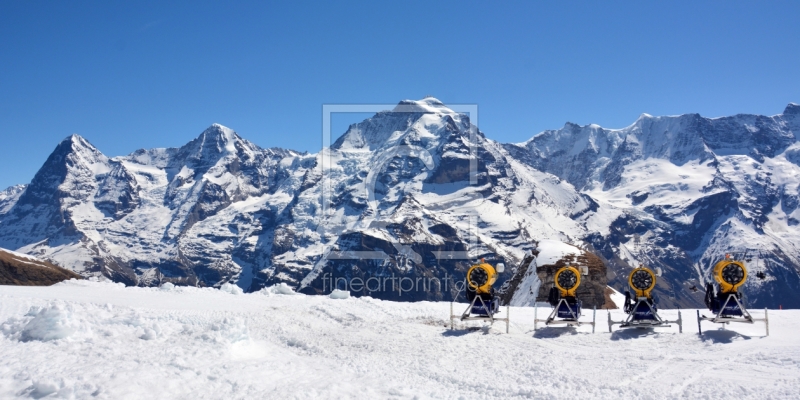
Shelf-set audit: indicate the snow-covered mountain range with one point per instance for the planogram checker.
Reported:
(404, 201)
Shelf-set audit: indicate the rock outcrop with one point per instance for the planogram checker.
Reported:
(532, 281)
(23, 270)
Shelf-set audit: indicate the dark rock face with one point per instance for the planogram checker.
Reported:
(511, 286)
(673, 289)
(592, 291)
(118, 193)
(394, 278)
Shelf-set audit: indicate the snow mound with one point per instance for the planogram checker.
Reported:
(93, 282)
(53, 388)
(52, 322)
(340, 294)
(167, 287)
(231, 288)
(228, 331)
(280, 288)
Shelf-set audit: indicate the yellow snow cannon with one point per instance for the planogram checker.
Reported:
(727, 304)
(563, 298)
(483, 303)
(730, 274)
(641, 306)
(567, 280)
(481, 277)
(642, 280)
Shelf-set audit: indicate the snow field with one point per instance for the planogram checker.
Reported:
(81, 339)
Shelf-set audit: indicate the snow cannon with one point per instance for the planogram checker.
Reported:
(568, 279)
(480, 278)
(480, 293)
(642, 280)
(563, 298)
(728, 304)
(641, 306)
(730, 275)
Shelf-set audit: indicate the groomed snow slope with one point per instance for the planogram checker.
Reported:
(101, 340)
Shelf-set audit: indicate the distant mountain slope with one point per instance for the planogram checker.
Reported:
(419, 193)
(682, 191)
(22, 269)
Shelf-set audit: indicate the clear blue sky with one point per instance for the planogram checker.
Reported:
(129, 75)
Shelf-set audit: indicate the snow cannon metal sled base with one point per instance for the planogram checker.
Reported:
(726, 304)
(731, 310)
(569, 314)
(643, 314)
(480, 310)
(483, 304)
(563, 298)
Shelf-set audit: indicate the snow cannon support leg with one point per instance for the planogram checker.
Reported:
(699, 330)
(508, 316)
(594, 320)
(766, 319)
(451, 316)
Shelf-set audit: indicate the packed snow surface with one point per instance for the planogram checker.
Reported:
(82, 339)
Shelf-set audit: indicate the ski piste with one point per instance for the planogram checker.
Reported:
(83, 337)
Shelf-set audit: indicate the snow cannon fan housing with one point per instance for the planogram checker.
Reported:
(567, 280)
(642, 280)
(482, 276)
(730, 275)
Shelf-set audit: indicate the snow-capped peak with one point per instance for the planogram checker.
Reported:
(409, 121)
(792, 108)
(221, 136)
(426, 105)
(77, 142)
(216, 142)
(81, 152)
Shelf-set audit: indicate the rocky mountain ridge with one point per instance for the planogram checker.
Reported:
(419, 193)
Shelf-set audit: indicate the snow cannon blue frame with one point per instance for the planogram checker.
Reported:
(483, 304)
(643, 312)
(566, 305)
(569, 309)
(727, 304)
